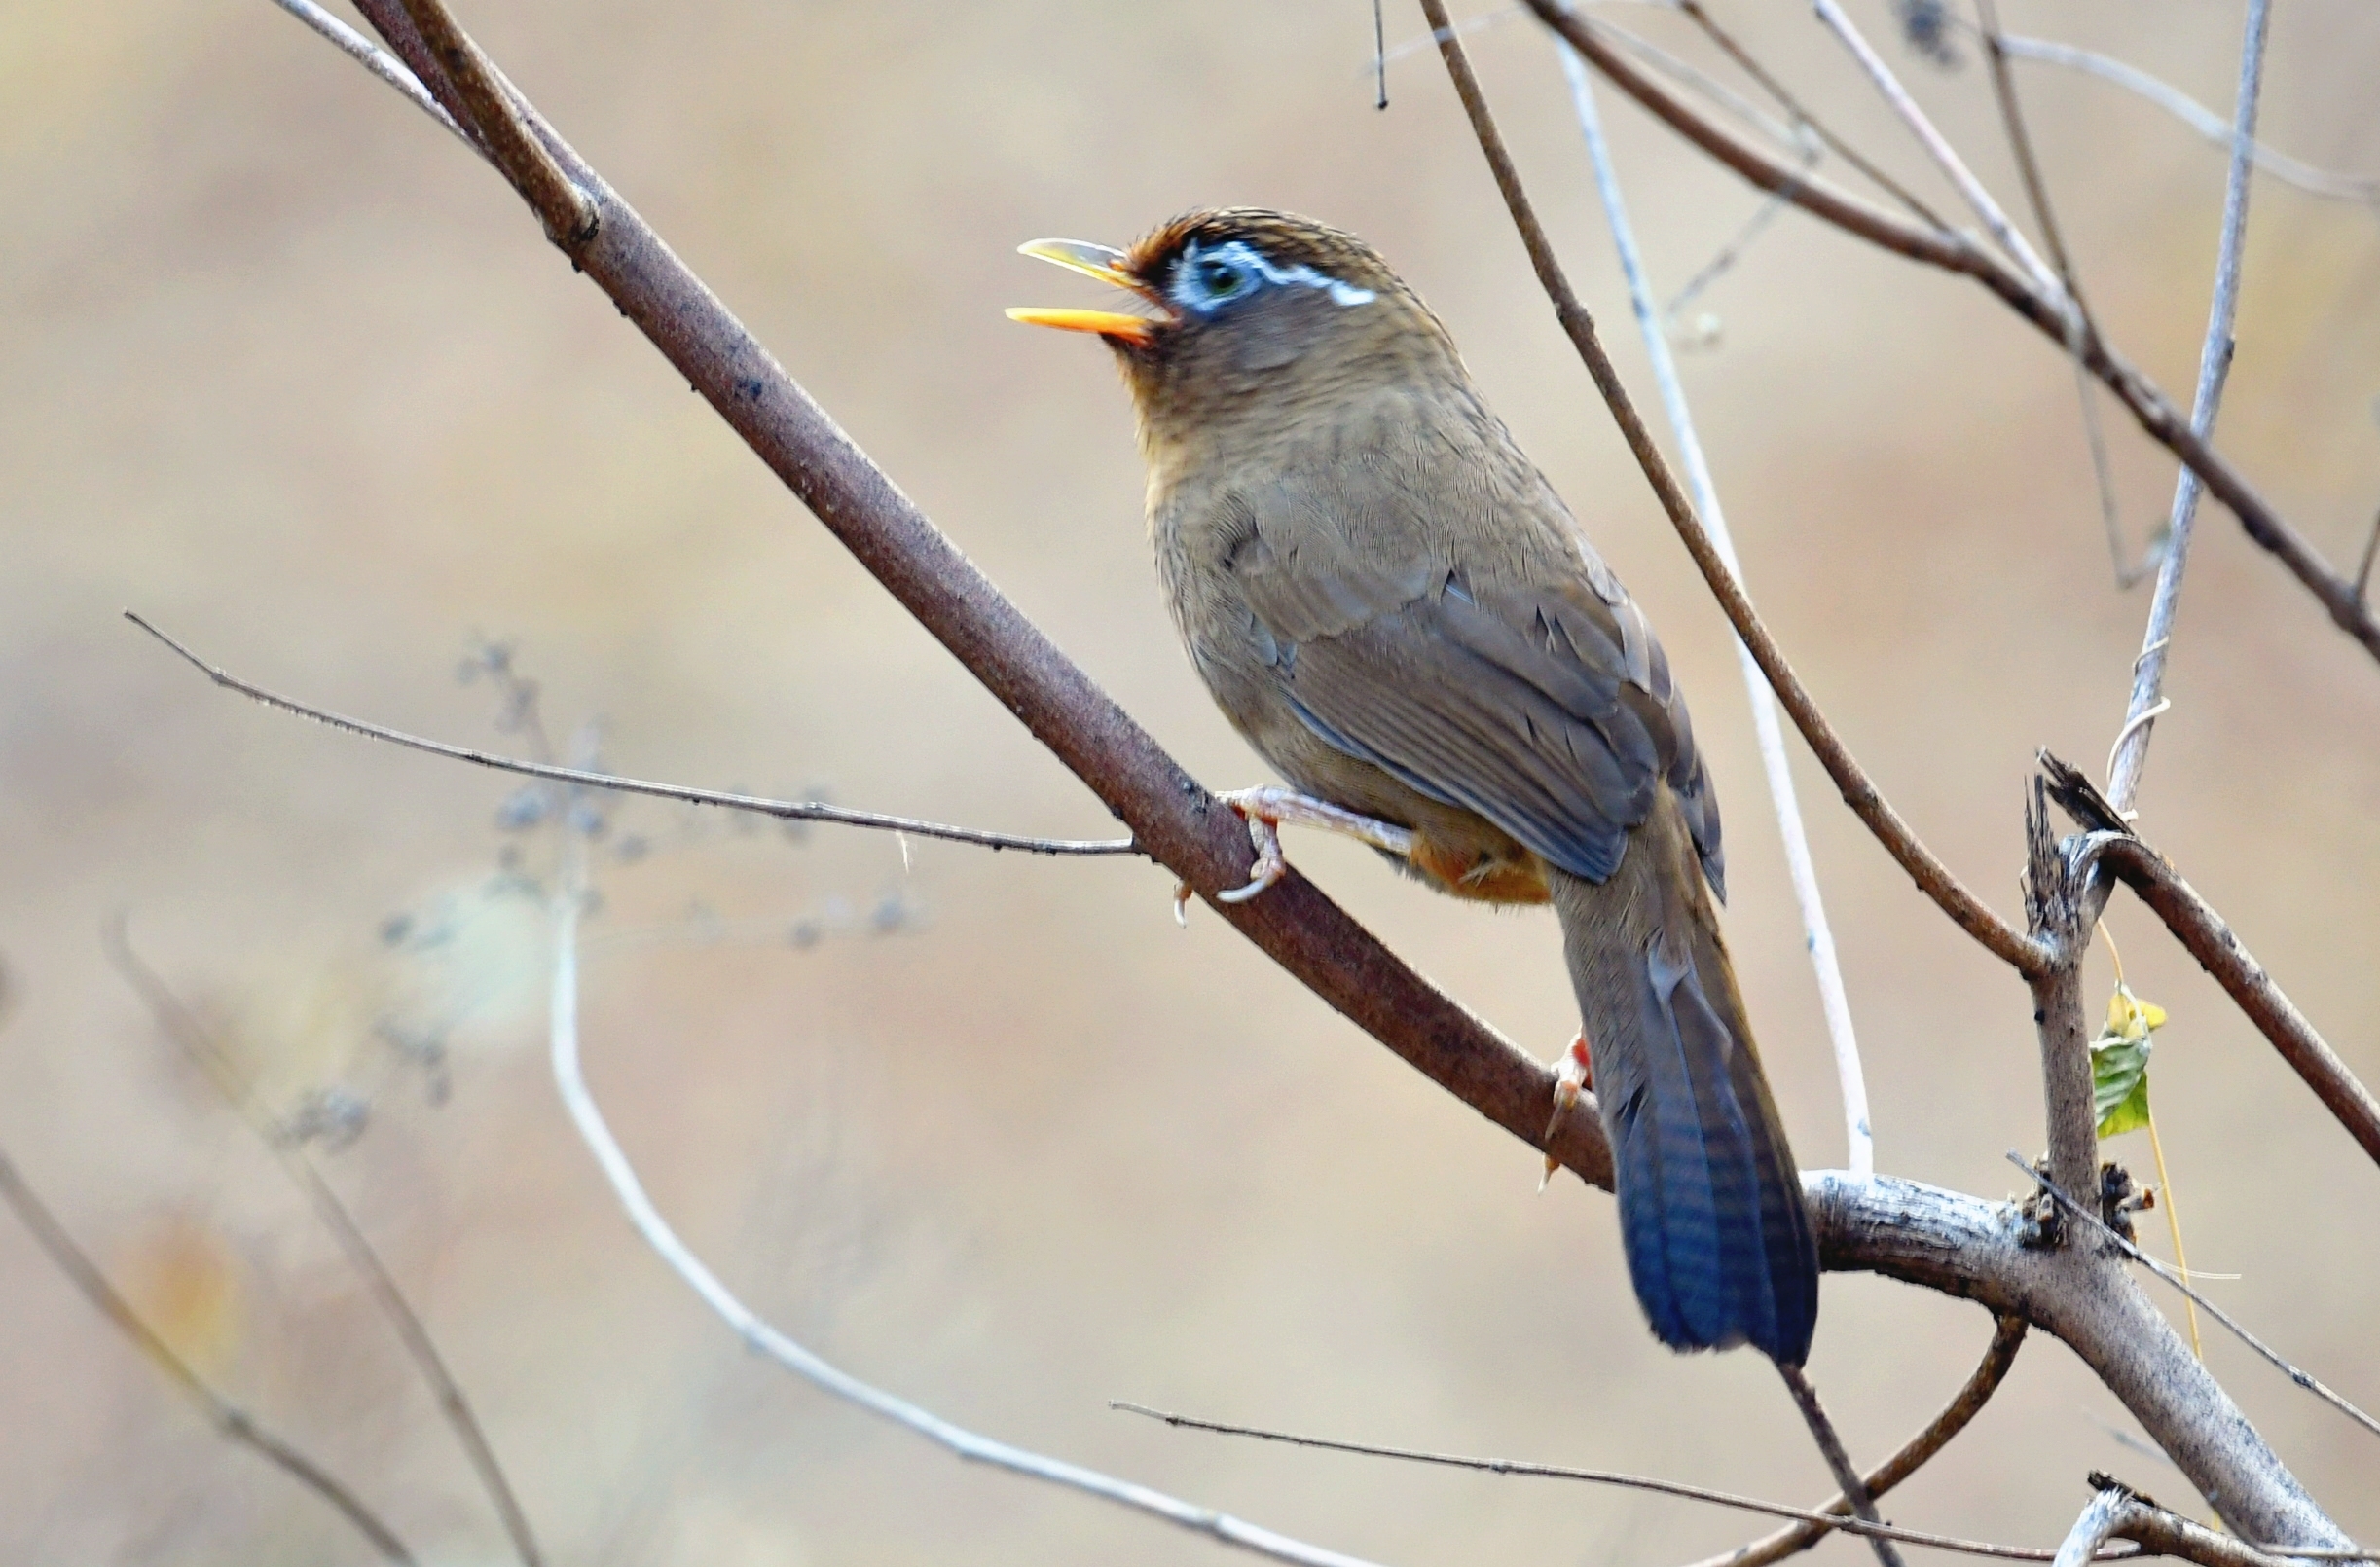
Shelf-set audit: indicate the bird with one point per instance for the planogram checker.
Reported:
(1391, 604)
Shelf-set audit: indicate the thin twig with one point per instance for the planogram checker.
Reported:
(235, 1423)
(2371, 549)
(570, 1081)
(1937, 146)
(2130, 751)
(1819, 936)
(1730, 253)
(1751, 66)
(2205, 934)
(1380, 50)
(1837, 1459)
(182, 1025)
(381, 63)
(2210, 940)
(1798, 131)
(2363, 188)
(2303, 1379)
(2084, 330)
(568, 212)
(782, 810)
(1523, 1469)
(2173, 1225)
(1935, 878)
(2007, 1336)
(2048, 314)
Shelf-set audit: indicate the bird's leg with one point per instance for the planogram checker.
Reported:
(1573, 1076)
(1268, 808)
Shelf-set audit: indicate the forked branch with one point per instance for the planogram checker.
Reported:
(2208, 938)
(2007, 1337)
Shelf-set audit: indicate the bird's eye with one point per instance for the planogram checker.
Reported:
(1221, 279)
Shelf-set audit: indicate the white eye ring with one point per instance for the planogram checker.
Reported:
(1199, 277)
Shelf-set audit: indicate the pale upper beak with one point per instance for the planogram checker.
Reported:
(1091, 261)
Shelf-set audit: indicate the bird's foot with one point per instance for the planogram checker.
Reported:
(1266, 810)
(1573, 1076)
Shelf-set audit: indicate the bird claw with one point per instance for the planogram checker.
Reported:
(1264, 809)
(1573, 1076)
(1265, 832)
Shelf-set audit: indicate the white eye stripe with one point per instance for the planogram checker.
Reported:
(1190, 292)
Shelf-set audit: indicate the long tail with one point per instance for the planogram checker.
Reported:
(1718, 1241)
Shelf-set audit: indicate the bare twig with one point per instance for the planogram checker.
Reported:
(2007, 1334)
(782, 810)
(1820, 938)
(1937, 147)
(2209, 940)
(1935, 878)
(572, 1083)
(1730, 253)
(1751, 66)
(182, 1025)
(235, 1423)
(2363, 188)
(2155, 413)
(2372, 549)
(486, 107)
(2082, 329)
(2203, 933)
(381, 63)
(1525, 1470)
(1837, 1459)
(2304, 1379)
(2130, 754)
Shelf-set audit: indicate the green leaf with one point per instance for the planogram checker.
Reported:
(2120, 1082)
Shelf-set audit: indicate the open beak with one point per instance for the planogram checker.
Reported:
(1091, 261)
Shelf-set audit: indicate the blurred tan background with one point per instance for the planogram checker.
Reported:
(283, 369)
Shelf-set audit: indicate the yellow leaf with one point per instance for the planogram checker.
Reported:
(2131, 1018)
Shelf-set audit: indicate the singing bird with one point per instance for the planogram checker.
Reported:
(1391, 604)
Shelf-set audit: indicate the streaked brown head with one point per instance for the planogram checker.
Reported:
(1254, 312)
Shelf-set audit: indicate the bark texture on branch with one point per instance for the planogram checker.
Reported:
(1990, 1253)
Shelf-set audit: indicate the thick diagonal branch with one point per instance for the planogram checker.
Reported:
(1175, 820)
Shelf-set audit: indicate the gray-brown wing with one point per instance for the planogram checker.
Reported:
(1525, 705)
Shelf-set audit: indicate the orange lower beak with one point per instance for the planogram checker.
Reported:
(1092, 261)
(1106, 323)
